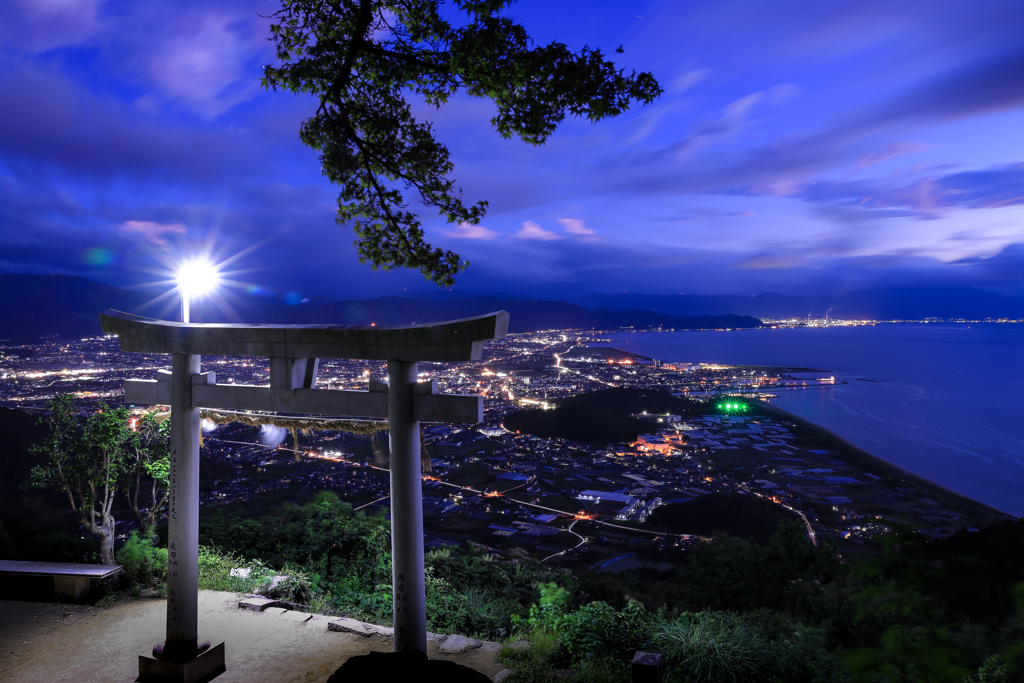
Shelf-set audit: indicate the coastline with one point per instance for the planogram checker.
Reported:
(885, 463)
(959, 426)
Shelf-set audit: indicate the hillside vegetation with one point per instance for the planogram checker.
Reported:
(736, 609)
(601, 417)
(716, 514)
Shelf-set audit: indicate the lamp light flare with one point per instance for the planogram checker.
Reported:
(195, 277)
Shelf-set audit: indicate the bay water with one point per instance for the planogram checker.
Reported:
(946, 401)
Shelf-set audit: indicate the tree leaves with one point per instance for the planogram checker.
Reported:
(363, 59)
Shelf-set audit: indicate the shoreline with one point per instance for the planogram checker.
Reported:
(887, 463)
(995, 485)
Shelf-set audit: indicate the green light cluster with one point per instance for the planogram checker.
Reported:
(732, 406)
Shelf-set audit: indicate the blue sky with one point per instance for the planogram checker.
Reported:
(799, 147)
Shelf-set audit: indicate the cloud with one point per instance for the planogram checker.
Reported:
(58, 122)
(717, 130)
(982, 86)
(470, 232)
(704, 214)
(986, 85)
(33, 26)
(152, 232)
(927, 197)
(575, 226)
(687, 80)
(532, 231)
(205, 60)
(887, 152)
(203, 57)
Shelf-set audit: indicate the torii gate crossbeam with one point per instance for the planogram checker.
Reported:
(295, 352)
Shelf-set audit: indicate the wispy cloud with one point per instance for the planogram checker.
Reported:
(704, 214)
(32, 26)
(887, 152)
(59, 122)
(532, 231)
(207, 60)
(151, 231)
(574, 226)
(469, 231)
(687, 80)
(926, 197)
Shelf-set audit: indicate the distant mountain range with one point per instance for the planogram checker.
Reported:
(905, 303)
(68, 306)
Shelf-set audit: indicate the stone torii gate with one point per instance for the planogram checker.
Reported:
(295, 352)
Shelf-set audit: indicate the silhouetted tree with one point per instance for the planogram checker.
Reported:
(363, 59)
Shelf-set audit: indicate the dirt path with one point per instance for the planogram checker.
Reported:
(46, 643)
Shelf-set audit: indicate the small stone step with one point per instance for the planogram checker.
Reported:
(298, 617)
(343, 625)
(257, 604)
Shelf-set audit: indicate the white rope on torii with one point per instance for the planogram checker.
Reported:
(295, 352)
(304, 425)
(307, 425)
(326, 424)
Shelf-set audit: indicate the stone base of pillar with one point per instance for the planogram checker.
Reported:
(205, 667)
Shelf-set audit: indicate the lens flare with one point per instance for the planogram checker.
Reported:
(98, 256)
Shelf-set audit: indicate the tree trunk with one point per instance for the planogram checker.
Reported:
(106, 534)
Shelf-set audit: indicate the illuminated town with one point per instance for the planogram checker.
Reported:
(559, 500)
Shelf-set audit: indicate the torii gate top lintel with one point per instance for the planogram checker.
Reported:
(449, 341)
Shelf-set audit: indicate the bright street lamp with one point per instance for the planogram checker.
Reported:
(195, 278)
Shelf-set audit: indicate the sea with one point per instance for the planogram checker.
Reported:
(944, 401)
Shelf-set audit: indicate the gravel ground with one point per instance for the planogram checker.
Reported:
(45, 643)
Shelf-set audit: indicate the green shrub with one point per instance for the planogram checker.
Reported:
(992, 670)
(593, 631)
(144, 565)
(534, 659)
(296, 585)
(596, 631)
(215, 568)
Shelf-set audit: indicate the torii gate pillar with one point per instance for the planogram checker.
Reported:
(294, 352)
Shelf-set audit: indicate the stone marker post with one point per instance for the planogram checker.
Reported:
(181, 658)
(183, 514)
(408, 581)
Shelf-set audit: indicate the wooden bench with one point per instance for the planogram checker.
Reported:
(70, 581)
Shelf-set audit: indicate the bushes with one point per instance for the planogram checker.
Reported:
(711, 647)
(144, 565)
(717, 648)
(224, 571)
(534, 663)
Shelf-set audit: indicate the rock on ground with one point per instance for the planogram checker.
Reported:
(454, 644)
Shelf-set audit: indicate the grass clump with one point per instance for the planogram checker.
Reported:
(716, 648)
